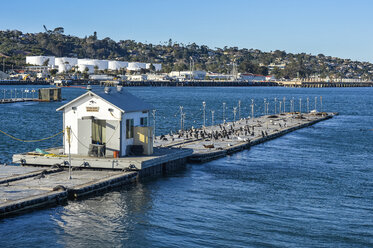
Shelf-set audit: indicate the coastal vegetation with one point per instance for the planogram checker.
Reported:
(174, 56)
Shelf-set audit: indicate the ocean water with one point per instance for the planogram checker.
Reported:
(309, 188)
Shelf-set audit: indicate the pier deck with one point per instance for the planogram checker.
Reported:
(52, 186)
(160, 155)
(239, 135)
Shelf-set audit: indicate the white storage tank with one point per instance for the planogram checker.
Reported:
(66, 60)
(157, 67)
(40, 60)
(64, 68)
(134, 66)
(82, 68)
(101, 64)
(117, 65)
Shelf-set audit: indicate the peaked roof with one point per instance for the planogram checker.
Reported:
(123, 100)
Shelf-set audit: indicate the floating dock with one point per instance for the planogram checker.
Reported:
(44, 180)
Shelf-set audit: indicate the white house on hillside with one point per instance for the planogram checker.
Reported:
(107, 122)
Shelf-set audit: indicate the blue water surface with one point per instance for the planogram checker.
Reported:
(309, 188)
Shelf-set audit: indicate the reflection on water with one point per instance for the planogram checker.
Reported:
(108, 220)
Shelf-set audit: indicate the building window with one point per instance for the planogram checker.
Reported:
(144, 121)
(129, 128)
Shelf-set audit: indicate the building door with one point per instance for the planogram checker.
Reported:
(99, 132)
(84, 136)
(112, 137)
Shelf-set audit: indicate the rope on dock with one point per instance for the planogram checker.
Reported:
(38, 140)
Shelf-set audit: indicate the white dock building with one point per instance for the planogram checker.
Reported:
(107, 122)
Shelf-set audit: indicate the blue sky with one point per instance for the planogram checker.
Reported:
(333, 27)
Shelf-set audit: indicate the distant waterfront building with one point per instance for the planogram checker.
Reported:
(251, 77)
(101, 77)
(272, 66)
(158, 77)
(186, 75)
(142, 77)
(218, 76)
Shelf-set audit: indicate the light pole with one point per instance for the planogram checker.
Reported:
(153, 113)
(275, 105)
(265, 106)
(284, 104)
(223, 112)
(252, 109)
(234, 113)
(320, 103)
(308, 104)
(212, 117)
(280, 107)
(204, 113)
(293, 105)
(181, 118)
(316, 103)
(300, 105)
(239, 109)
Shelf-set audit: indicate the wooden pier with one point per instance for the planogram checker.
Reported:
(44, 180)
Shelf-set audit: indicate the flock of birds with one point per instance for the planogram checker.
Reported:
(221, 132)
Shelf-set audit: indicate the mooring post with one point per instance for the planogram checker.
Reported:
(68, 131)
